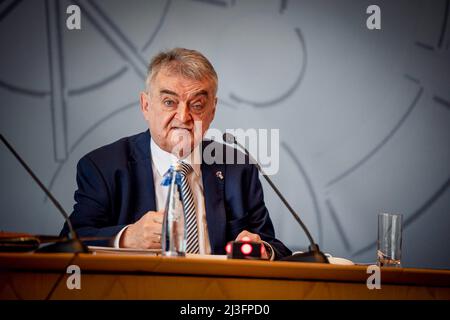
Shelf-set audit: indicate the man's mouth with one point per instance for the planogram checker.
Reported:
(181, 129)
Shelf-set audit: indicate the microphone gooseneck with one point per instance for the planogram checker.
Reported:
(72, 245)
(314, 255)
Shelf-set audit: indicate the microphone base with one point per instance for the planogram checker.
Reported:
(309, 256)
(66, 246)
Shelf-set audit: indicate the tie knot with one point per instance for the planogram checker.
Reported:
(185, 168)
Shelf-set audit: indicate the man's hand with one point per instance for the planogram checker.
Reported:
(253, 237)
(144, 233)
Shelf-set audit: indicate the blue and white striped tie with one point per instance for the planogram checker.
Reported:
(192, 245)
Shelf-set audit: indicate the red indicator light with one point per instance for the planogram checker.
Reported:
(246, 249)
(228, 248)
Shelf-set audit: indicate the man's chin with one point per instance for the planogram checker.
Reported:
(182, 151)
(179, 136)
(181, 146)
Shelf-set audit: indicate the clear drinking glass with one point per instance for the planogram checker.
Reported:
(389, 240)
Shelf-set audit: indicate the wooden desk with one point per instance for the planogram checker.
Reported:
(111, 276)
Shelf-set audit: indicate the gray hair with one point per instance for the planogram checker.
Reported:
(189, 63)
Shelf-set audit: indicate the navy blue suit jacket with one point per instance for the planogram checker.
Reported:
(116, 188)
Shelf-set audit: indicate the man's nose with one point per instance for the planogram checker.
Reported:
(183, 113)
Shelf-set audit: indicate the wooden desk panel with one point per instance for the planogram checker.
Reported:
(111, 276)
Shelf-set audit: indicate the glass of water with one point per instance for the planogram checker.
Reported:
(389, 240)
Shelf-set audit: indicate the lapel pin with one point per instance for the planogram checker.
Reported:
(219, 175)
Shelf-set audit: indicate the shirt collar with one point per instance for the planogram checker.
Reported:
(162, 160)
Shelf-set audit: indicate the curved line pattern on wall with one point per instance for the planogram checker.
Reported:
(411, 78)
(442, 102)
(218, 3)
(413, 217)
(8, 7)
(159, 26)
(117, 31)
(25, 91)
(338, 224)
(290, 91)
(114, 37)
(226, 103)
(310, 187)
(58, 103)
(379, 145)
(84, 135)
(283, 6)
(98, 84)
(99, 122)
(444, 24)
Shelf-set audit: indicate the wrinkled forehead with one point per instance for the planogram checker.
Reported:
(173, 80)
(172, 75)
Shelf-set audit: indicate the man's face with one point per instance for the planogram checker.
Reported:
(178, 111)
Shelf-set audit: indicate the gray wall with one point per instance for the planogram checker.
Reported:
(364, 116)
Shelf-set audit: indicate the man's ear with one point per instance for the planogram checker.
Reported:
(145, 104)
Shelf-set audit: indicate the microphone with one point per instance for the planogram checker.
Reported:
(73, 244)
(314, 254)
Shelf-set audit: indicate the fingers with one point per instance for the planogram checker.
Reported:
(146, 232)
(264, 253)
(248, 236)
(156, 238)
(157, 219)
(253, 237)
(157, 216)
(153, 228)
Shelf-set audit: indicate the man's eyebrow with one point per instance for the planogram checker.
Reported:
(166, 91)
(201, 93)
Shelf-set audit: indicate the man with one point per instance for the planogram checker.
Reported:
(119, 185)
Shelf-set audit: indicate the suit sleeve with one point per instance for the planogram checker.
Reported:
(259, 219)
(91, 216)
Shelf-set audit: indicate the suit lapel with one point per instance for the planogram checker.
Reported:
(141, 172)
(213, 189)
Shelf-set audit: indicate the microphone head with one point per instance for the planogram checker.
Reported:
(228, 138)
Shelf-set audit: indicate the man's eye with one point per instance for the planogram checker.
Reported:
(197, 106)
(169, 103)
